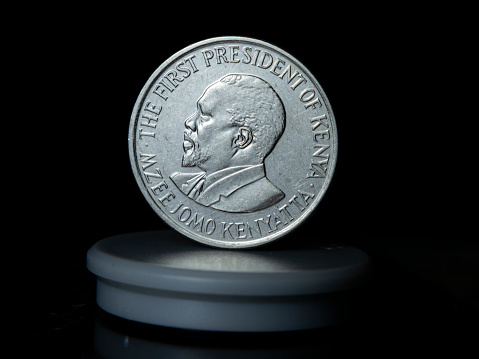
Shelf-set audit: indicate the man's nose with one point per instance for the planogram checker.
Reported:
(191, 122)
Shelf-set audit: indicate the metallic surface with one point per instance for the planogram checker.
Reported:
(233, 142)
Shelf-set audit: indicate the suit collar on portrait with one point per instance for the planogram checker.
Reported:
(207, 190)
(228, 180)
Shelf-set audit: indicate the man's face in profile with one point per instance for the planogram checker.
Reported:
(237, 123)
(209, 133)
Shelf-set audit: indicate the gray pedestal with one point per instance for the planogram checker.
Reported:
(163, 278)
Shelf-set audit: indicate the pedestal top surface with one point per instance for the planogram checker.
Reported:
(167, 260)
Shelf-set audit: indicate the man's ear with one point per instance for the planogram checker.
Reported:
(244, 137)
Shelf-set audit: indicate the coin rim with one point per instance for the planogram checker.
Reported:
(136, 171)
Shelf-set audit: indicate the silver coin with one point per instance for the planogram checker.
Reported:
(233, 142)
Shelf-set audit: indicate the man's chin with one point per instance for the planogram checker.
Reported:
(191, 161)
(187, 161)
(195, 158)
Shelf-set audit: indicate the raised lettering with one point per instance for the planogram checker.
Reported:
(277, 220)
(306, 196)
(159, 91)
(167, 198)
(316, 169)
(181, 216)
(150, 120)
(189, 60)
(284, 210)
(264, 65)
(156, 110)
(318, 121)
(264, 222)
(172, 77)
(313, 103)
(240, 229)
(321, 149)
(207, 56)
(277, 66)
(294, 200)
(301, 80)
(181, 68)
(320, 135)
(159, 187)
(210, 226)
(148, 161)
(142, 133)
(246, 52)
(255, 57)
(307, 95)
(162, 82)
(197, 223)
(176, 208)
(155, 175)
(271, 229)
(226, 228)
(220, 54)
(251, 229)
(234, 53)
(291, 76)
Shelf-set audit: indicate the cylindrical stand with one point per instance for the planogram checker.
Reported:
(163, 278)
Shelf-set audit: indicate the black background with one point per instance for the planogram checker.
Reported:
(397, 179)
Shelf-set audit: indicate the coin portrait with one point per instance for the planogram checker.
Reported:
(237, 122)
(233, 142)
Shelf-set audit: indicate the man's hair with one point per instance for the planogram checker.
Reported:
(259, 108)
